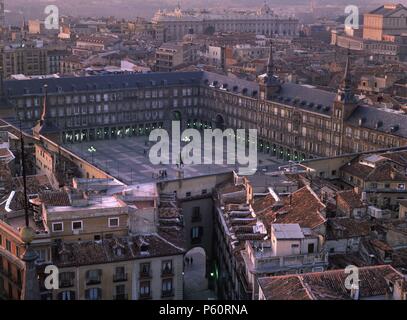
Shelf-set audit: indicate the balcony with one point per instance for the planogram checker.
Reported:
(66, 283)
(167, 272)
(91, 282)
(145, 275)
(196, 218)
(120, 277)
(167, 294)
(145, 296)
(121, 296)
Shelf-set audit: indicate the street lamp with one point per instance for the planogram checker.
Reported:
(92, 150)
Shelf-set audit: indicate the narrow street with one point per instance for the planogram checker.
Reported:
(195, 283)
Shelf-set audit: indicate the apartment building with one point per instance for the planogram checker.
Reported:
(172, 55)
(290, 249)
(131, 268)
(100, 244)
(381, 178)
(27, 60)
(249, 231)
(389, 19)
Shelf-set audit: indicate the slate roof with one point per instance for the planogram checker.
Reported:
(100, 82)
(303, 97)
(387, 11)
(306, 97)
(372, 116)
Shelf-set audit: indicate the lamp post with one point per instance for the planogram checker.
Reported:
(31, 289)
(92, 150)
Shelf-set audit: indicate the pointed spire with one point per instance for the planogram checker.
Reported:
(270, 63)
(345, 90)
(44, 104)
(347, 80)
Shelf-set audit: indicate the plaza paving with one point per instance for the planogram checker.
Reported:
(127, 159)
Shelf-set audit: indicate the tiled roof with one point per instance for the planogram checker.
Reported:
(351, 199)
(55, 198)
(302, 207)
(343, 228)
(264, 203)
(284, 288)
(113, 250)
(399, 157)
(381, 172)
(329, 285)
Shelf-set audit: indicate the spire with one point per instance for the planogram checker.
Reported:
(345, 91)
(44, 104)
(347, 80)
(270, 64)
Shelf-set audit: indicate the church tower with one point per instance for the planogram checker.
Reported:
(269, 83)
(345, 102)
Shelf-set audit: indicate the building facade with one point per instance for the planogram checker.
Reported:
(293, 121)
(174, 25)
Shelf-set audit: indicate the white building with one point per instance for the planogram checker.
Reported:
(174, 25)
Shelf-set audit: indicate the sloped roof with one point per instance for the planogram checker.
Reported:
(329, 285)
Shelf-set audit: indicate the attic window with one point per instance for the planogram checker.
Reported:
(143, 245)
(362, 121)
(235, 88)
(394, 128)
(327, 108)
(379, 124)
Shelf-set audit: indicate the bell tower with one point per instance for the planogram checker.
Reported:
(269, 83)
(345, 102)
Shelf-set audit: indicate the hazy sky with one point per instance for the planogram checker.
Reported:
(146, 8)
